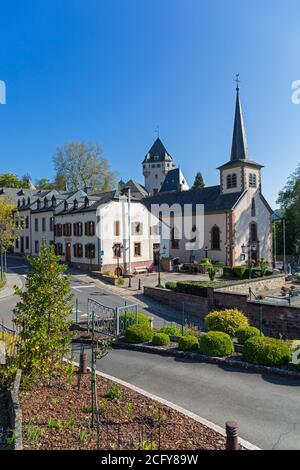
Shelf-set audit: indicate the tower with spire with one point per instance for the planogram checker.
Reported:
(156, 164)
(240, 173)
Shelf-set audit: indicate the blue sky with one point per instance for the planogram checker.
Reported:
(109, 71)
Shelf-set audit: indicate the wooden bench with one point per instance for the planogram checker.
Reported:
(141, 270)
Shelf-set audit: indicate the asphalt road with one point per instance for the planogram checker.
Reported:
(267, 408)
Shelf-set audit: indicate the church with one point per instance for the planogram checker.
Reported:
(237, 217)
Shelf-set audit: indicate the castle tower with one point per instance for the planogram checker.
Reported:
(156, 164)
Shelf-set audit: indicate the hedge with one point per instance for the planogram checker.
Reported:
(267, 351)
(216, 343)
(227, 321)
(160, 339)
(171, 330)
(242, 272)
(243, 334)
(129, 318)
(188, 343)
(138, 333)
(195, 287)
(170, 285)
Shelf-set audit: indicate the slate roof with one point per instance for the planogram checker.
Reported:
(157, 150)
(173, 180)
(211, 197)
(137, 190)
(16, 193)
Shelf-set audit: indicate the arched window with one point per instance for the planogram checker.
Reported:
(252, 180)
(253, 211)
(253, 232)
(215, 238)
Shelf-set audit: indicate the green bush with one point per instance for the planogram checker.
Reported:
(216, 343)
(138, 334)
(121, 281)
(170, 285)
(239, 271)
(160, 339)
(195, 287)
(245, 333)
(129, 318)
(188, 343)
(228, 321)
(171, 330)
(267, 351)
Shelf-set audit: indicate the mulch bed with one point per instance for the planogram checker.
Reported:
(4, 422)
(59, 417)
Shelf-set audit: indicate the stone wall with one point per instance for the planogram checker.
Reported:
(193, 304)
(259, 284)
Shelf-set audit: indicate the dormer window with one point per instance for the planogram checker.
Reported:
(86, 202)
(75, 204)
(45, 202)
(23, 201)
(231, 181)
(252, 180)
(19, 203)
(38, 203)
(53, 201)
(66, 205)
(28, 200)
(156, 157)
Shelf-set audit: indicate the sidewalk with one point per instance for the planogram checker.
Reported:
(11, 281)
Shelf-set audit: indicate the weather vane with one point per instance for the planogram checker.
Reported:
(237, 80)
(157, 130)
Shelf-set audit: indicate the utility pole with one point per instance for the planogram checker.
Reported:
(284, 245)
(129, 230)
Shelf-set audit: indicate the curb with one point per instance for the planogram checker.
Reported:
(214, 427)
(210, 360)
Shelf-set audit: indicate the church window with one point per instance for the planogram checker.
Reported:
(215, 238)
(252, 180)
(231, 181)
(253, 207)
(253, 232)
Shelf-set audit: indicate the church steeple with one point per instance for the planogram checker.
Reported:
(239, 149)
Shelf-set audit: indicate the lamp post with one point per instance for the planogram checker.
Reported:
(284, 245)
(206, 252)
(158, 264)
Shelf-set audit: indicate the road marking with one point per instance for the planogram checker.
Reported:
(83, 287)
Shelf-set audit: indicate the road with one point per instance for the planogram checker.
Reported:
(265, 407)
(83, 288)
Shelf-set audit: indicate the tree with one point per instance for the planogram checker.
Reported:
(82, 165)
(8, 231)
(44, 183)
(9, 180)
(44, 316)
(289, 200)
(199, 182)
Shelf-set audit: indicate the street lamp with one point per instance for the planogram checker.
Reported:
(158, 265)
(206, 252)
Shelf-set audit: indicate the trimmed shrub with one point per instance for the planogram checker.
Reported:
(171, 285)
(216, 343)
(188, 343)
(195, 287)
(239, 271)
(267, 351)
(160, 339)
(171, 330)
(242, 334)
(227, 271)
(138, 334)
(227, 321)
(129, 318)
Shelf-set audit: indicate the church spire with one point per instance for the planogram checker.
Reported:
(239, 149)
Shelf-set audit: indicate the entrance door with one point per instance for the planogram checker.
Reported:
(68, 252)
(156, 247)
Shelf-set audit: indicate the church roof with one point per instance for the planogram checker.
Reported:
(211, 197)
(159, 151)
(173, 180)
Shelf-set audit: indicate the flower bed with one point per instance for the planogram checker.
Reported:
(58, 417)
